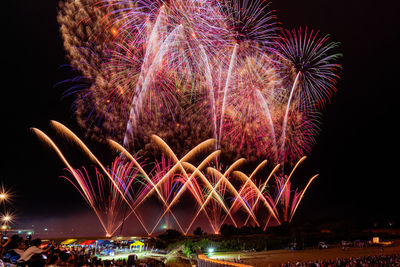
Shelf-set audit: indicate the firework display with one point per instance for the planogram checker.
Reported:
(192, 70)
(161, 77)
(221, 195)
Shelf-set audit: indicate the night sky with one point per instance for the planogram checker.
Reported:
(356, 153)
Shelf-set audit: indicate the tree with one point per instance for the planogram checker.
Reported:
(168, 237)
(228, 230)
(198, 231)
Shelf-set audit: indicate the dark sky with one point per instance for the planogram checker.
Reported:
(356, 152)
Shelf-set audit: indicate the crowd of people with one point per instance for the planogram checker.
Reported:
(370, 261)
(17, 251)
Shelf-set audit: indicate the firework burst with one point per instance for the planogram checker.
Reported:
(192, 70)
(218, 194)
(179, 72)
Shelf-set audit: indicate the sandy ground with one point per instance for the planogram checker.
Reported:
(277, 257)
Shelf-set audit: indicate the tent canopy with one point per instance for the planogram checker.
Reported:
(68, 241)
(103, 242)
(87, 242)
(137, 243)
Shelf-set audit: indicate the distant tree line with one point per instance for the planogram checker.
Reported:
(254, 238)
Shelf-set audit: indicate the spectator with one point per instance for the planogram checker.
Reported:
(378, 261)
(3, 246)
(31, 254)
(12, 249)
(54, 261)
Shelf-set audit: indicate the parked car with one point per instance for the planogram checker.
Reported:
(347, 244)
(322, 245)
(292, 246)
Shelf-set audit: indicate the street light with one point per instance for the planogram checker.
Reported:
(3, 230)
(6, 218)
(3, 196)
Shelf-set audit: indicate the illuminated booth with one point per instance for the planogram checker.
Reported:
(137, 245)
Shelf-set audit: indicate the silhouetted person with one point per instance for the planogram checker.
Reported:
(33, 255)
